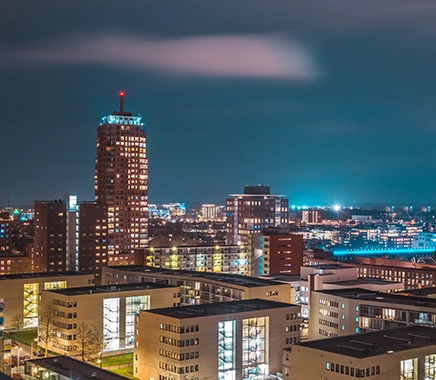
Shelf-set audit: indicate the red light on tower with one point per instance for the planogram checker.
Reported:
(121, 93)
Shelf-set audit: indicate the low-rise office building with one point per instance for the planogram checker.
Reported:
(347, 311)
(331, 276)
(402, 353)
(110, 308)
(414, 274)
(19, 294)
(224, 341)
(202, 287)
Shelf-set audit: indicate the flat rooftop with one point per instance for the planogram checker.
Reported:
(219, 308)
(327, 266)
(377, 342)
(382, 297)
(423, 292)
(74, 369)
(110, 288)
(43, 275)
(365, 281)
(234, 279)
(282, 277)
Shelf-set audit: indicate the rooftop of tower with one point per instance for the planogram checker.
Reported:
(122, 117)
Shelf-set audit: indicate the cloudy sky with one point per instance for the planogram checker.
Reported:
(326, 101)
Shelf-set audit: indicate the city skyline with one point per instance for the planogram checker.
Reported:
(324, 106)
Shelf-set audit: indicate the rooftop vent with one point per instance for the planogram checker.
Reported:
(369, 344)
(365, 349)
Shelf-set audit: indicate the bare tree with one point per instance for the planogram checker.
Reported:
(47, 330)
(82, 347)
(89, 342)
(97, 334)
(18, 321)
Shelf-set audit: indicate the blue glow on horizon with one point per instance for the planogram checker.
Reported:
(409, 251)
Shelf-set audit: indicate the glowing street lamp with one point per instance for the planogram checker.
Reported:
(32, 346)
(18, 355)
(336, 208)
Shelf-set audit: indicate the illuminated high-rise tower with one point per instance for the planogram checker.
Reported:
(121, 179)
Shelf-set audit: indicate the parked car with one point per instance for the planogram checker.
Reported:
(38, 353)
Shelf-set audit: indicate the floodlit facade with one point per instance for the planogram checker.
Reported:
(226, 259)
(402, 353)
(202, 287)
(113, 308)
(20, 294)
(311, 216)
(121, 179)
(209, 211)
(253, 211)
(224, 341)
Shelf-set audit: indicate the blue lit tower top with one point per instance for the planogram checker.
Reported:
(121, 117)
(121, 179)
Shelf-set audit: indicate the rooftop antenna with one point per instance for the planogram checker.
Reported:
(121, 94)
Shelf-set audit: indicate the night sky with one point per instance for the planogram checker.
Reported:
(325, 101)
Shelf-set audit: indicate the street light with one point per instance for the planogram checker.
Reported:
(32, 348)
(18, 355)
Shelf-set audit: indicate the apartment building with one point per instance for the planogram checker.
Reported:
(252, 211)
(202, 287)
(112, 308)
(275, 251)
(5, 233)
(224, 341)
(222, 259)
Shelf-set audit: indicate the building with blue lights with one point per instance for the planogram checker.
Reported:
(121, 179)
